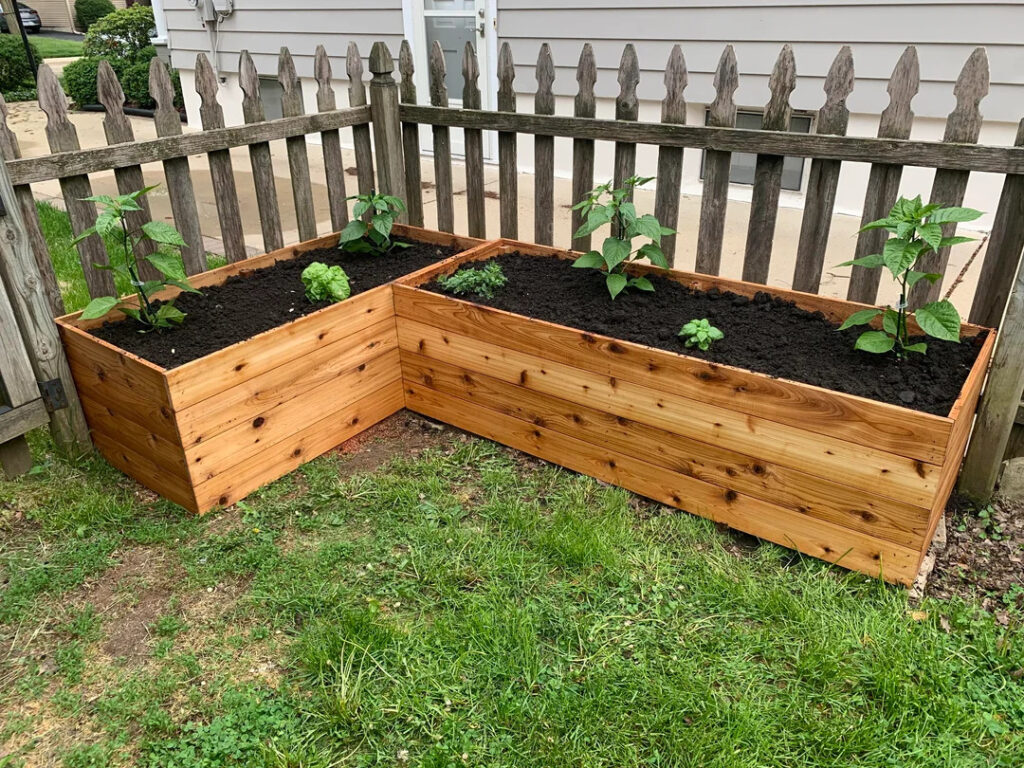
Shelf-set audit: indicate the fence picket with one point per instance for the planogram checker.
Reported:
(764, 203)
(298, 161)
(176, 170)
(474, 141)
(10, 150)
(962, 127)
(544, 153)
(387, 129)
(259, 155)
(884, 179)
(410, 139)
(627, 107)
(222, 172)
(823, 180)
(62, 137)
(721, 114)
(583, 149)
(360, 133)
(334, 163)
(670, 159)
(442, 142)
(508, 176)
(1005, 244)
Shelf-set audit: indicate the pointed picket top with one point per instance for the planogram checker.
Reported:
(781, 84)
(544, 99)
(437, 71)
(249, 81)
(210, 111)
(111, 96)
(626, 105)
(470, 74)
(60, 131)
(354, 70)
(586, 77)
(964, 122)
(325, 100)
(897, 118)
(382, 64)
(673, 106)
(166, 115)
(407, 88)
(722, 111)
(833, 117)
(291, 99)
(506, 74)
(9, 148)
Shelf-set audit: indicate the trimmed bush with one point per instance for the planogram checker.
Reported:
(15, 72)
(122, 35)
(80, 81)
(88, 12)
(135, 82)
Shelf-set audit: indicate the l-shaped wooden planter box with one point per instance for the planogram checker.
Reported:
(843, 478)
(209, 432)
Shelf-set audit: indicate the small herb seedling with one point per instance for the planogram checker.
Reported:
(112, 221)
(617, 250)
(373, 236)
(483, 282)
(701, 333)
(325, 283)
(916, 229)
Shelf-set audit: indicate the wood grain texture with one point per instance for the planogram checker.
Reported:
(176, 170)
(360, 133)
(764, 203)
(508, 167)
(963, 126)
(62, 137)
(474, 145)
(298, 160)
(260, 158)
(18, 384)
(387, 127)
(16, 422)
(442, 143)
(544, 152)
(410, 139)
(627, 108)
(670, 159)
(334, 164)
(721, 114)
(584, 106)
(823, 180)
(1005, 244)
(884, 179)
(222, 172)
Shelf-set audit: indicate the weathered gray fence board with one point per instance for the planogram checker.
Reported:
(334, 163)
(584, 107)
(298, 160)
(260, 158)
(360, 133)
(627, 107)
(387, 127)
(544, 153)
(442, 143)
(670, 159)
(508, 168)
(410, 139)
(474, 146)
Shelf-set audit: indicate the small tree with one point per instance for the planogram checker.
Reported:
(121, 35)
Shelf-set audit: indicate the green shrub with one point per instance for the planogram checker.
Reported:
(15, 71)
(88, 12)
(80, 81)
(135, 83)
(122, 35)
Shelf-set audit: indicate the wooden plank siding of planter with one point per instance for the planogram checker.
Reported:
(207, 433)
(843, 478)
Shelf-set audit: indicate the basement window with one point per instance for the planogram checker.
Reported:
(742, 169)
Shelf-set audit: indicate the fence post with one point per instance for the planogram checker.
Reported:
(387, 128)
(25, 289)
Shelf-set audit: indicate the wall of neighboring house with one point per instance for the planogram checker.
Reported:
(945, 32)
(55, 14)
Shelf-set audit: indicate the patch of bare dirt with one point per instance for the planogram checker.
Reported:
(404, 434)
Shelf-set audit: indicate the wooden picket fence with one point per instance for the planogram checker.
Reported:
(392, 111)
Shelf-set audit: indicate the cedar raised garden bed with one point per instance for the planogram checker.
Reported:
(209, 431)
(844, 478)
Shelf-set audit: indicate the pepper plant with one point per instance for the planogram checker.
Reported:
(916, 229)
(617, 250)
(112, 221)
(373, 236)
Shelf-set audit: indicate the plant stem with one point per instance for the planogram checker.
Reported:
(133, 270)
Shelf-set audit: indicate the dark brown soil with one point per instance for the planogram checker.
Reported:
(764, 334)
(260, 300)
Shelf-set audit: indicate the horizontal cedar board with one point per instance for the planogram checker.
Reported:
(887, 519)
(143, 469)
(871, 470)
(84, 161)
(247, 400)
(288, 416)
(768, 521)
(858, 420)
(119, 424)
(928, 154)
(303, 446)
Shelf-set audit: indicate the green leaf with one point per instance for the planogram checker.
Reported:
(598, 217)
(862, 317)
(628, 213)
(615, 252)
(946, 215)
(914, 277)
(689, 329)
(107, 224)
(383, 223)
(878, 224)
(955, 240)
(654, 254)
(715, 334)
(162, 232)
(939, 319)
(184, 285)
(140, 192)
(168, 314)
(641, 283)
(875, 341)
(99, 307)
(354, 230)
(591, 260)
(615, 282)
(919, 347)
(104, 200)
(361, 207)
(890, 321)
(168, 264)
(898, 255)
(84, 234)
(931, 234)
(648, 226)
(870, 262)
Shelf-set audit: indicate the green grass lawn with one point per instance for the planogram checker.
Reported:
(51, 48)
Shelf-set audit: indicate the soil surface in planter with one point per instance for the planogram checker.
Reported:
(764, 333)
(253, 302)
